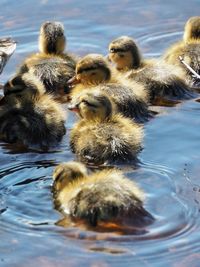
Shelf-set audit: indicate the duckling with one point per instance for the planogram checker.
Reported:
(94, 72)
(104, 196)
(159, 78)
(51, 65)
(101, 136)
(28, 115)
(7, 48)
(188, 49)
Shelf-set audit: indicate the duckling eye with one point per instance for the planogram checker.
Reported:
(88, 103)
(112, 50)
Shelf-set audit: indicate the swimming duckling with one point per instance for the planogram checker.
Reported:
(7, 48)
(104, 196)
(28, 115)
(159, 78)
(101, 136)
(93, 72)
(51, 65)
(188, 49)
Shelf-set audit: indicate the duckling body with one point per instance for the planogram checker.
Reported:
(159, 78)
(94, 73)
(188, 49)
(28, 115)
(7, 48)
(101, 137)
(51, 65)
(104, 196)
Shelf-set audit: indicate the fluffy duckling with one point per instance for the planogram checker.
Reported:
(28, 115)
(7, 48)
(104, 196)
(101, 136)
(188, 49)
(159, 78)
(51, 65)
(93, 72)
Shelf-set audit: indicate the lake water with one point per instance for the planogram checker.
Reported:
(169, 168)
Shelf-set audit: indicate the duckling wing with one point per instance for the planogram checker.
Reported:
(30, 126)
(127, 102)
(108, 201)
(54, 73)
(162, 80)
(105, 142)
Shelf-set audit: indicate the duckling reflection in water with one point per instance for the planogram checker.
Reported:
(102, 136)
(188, 49)
(28, 115)
(51, 65)
(93, 72)
(159, 78)
(104, 196)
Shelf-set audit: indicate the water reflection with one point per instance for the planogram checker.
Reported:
(169, 164)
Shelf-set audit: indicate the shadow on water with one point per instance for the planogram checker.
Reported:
(32, 232)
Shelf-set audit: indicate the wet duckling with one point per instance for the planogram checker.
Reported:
(104, 196)
(188, 49)
(93, 72)
(159, 78)
(7, 48)
(51, 65)
(101, 136)
(28, 115)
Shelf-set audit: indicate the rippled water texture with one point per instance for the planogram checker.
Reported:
(169, 168)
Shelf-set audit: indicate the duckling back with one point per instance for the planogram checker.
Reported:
(32, 124)
(54, 72)
(118, 139)
(104, 196)
(128, 103)
(31, 117)
(162, 80)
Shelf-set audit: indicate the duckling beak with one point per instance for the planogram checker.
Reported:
(74, 80)
(107, 57)
(73, 107)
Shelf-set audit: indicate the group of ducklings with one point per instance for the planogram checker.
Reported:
(111, 96)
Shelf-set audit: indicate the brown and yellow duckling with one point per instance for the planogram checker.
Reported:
(101, 136)
(188, 49)
(93, 72)
(159, 78)
(104, 196)
(28, 115)
(51, 65)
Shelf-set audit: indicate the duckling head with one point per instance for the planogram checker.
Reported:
(66, 173)
(192, 29)
(52, 38)
(23, 87)
(125, 53)
(92, 106)
(92, 69)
